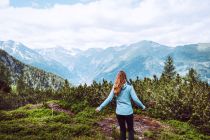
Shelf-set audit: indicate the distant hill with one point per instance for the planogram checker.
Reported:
(32, 76)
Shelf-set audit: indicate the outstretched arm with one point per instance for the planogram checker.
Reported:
(107, 101)
(135, 98)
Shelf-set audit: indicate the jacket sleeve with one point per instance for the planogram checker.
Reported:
(108, 100)
(135, 98)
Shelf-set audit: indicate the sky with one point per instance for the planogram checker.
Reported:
(87, 24)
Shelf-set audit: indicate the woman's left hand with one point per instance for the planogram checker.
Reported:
(97, 110)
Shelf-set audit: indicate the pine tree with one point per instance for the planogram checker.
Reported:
(169, 69)
(178, 79)
(20, 85)
(155, 78)
(192, 75)
(65, 90)
(5, 78)
(66, 84)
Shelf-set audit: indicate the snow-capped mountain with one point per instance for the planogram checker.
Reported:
(144, 58)
(31, 57)
(147, 58)
(61, 55)
(18, 50)
(141, 59)
(64, 57)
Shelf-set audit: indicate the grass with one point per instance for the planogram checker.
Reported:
(148, 134)
(181, 131)
(34, 122)
(37, 122)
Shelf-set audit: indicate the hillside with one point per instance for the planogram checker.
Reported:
(33, 77)
(31, 57)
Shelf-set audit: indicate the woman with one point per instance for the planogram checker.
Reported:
(123, 92)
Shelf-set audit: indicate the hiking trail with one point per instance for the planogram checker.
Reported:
(57, 108)
(141, 124)
(107, 125)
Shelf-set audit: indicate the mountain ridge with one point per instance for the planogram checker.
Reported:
(143, 58)
(31, 57)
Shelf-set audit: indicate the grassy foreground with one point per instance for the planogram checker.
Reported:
(39, 122)
(33, 122)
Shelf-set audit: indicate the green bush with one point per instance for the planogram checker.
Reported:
(37, 122)
(181, 131)
(87, 116)
(176, 99)
(148, 134)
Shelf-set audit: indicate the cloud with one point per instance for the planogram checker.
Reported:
(107, 23)
(4, 3)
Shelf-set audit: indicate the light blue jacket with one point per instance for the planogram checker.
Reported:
(123, 100)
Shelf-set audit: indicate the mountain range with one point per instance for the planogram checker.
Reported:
(144, 58)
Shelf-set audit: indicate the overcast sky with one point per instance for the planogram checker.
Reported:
(102, 23)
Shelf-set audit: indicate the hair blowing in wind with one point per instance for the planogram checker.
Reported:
(120, 80)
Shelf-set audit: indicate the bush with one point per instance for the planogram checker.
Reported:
(148, 134)
(181, 131)
(176, 99)
(37, 122)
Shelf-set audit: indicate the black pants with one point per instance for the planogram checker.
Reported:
(129, 120)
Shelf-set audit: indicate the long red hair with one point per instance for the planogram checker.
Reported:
(120, 80)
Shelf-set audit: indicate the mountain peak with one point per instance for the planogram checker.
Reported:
(148, 43)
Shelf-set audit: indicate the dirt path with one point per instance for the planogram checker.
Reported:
(141, 124)
(57, 108)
